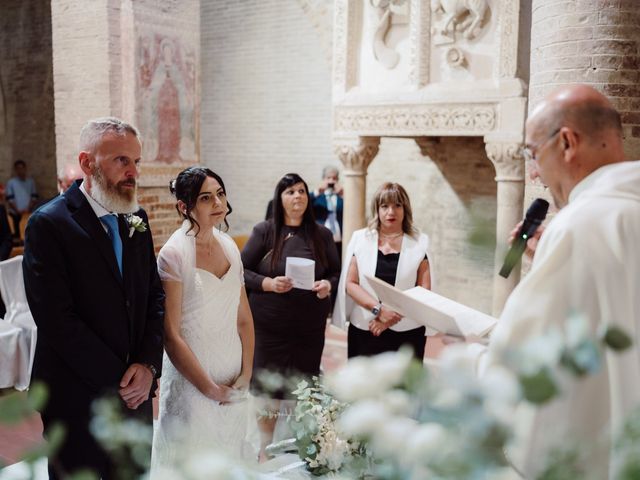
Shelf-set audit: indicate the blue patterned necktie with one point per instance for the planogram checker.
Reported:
(111, 222)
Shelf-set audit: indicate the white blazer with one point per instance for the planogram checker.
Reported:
(364, 246)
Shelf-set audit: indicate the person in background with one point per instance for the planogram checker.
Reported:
(289, 322)
(67, 175)
(327, 204)
(393, 250)
(21, 195)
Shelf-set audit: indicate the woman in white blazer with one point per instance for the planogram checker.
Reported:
(391, 249)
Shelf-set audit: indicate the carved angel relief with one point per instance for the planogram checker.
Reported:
(464, 16)
(386, 10)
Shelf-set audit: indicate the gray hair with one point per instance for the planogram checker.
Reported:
(329, 168)
(95, 129)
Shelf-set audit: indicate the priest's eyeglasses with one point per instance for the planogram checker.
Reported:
(529, 153)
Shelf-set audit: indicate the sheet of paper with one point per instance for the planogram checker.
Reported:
(301, 271)
(433, 310)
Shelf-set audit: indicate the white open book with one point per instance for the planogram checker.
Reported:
(433, 310)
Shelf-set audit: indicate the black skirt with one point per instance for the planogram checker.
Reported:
(364, 343)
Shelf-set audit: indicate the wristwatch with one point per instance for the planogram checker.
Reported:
(152, 369)
(376, 310)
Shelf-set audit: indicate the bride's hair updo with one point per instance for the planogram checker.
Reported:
(186, 188)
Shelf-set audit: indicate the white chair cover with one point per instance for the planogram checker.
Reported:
(18, 332)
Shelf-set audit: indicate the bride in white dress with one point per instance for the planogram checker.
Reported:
(209, 335)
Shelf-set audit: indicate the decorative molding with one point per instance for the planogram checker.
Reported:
(356, 154)
(416, 120)
(507, 160)
(347, 29)
(420, 40)
(508, 20)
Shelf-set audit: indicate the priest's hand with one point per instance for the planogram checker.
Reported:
(532, 243)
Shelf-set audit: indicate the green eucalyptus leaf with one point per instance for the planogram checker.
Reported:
(616, 338)
(539, 387)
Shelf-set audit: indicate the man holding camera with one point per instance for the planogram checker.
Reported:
(327, 204)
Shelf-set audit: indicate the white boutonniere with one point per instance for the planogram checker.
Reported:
(136, 224)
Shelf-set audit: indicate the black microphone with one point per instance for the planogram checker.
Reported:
(532, 220)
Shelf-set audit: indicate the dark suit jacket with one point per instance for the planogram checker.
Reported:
(321, 211)
(6, 239)
(92, 322)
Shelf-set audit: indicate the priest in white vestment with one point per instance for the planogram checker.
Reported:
(586, 262)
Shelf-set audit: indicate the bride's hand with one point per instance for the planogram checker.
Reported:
(221, 393)
(242, 382)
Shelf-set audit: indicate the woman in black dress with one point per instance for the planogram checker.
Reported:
(289, 322)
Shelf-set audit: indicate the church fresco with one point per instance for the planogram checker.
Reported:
(166, 99)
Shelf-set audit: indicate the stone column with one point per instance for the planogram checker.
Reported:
(509, 167)
(595, 42)
(356, 155)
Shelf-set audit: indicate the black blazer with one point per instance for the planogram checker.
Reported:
(6, 239)
(92, 322)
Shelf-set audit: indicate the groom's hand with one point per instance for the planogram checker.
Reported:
(135, 385)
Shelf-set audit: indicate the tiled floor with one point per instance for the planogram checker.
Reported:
(15, 440)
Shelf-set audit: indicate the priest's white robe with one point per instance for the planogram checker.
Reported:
(587, 262)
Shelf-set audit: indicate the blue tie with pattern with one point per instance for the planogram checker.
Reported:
(111, 222)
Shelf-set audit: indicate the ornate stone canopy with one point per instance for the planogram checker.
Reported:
(416, 68)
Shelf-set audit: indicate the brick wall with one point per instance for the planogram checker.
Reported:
(266, 98)
(451, 196)
(266, 110)
(590, 41)
(26, 96)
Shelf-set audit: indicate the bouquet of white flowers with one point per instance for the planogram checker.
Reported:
(319, 441)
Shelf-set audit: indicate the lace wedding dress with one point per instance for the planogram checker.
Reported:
(189, 422)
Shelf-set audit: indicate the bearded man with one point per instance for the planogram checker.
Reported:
(94, 291)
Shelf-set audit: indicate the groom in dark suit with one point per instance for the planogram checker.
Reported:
(94, 291)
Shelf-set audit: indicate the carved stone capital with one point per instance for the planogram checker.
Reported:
(507, 160)
(356, 155)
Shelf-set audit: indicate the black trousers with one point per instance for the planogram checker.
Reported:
(364, 343)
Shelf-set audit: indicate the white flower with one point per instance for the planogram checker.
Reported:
(136, 224)
(448, 398)
(366, 377)
(425, 442)
(397, 401)
(333, 451)
(501, 385)
(457, 358)
(502, 392)
(363, 418)
(577, 329)
(392, 437)
(540, 352)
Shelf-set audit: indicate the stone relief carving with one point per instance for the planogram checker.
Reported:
(507, 160)
(416, 119)
(386, 10)
(464, 16)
